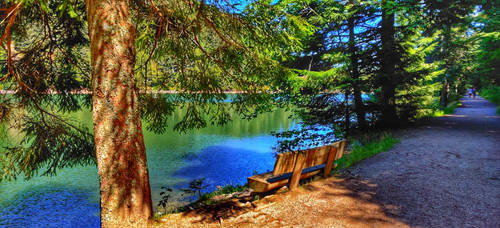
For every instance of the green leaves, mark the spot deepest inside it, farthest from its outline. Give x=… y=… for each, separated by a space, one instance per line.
x=487 y=39
x=48 y=144
x=66 y=7
x=44 y=6
x=204 y=50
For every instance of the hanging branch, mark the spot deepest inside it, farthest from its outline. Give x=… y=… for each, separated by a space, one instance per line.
x=158 y=33
x=11 y=16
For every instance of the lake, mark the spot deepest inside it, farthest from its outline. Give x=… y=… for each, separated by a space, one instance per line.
x=221 y=154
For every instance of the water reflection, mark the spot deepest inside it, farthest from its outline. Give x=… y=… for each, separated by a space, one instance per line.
x=230 y=162
x=222 y=154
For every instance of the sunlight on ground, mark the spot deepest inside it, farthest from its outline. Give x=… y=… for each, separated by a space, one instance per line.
x=458 y=116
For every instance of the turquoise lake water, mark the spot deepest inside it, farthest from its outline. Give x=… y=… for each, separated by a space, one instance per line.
x=221 y=154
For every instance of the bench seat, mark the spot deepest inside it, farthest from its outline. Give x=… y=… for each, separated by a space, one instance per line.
x=308 y=163
x=267 y=181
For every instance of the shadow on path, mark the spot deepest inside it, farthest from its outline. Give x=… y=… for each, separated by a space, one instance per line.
x=332 y=202
x=444 y=174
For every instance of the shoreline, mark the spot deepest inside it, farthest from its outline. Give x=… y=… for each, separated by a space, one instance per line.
x=81 y=92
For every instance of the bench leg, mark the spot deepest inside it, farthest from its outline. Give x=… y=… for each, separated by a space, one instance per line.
x=297 y=170
x=340 y=151
x=329 y=161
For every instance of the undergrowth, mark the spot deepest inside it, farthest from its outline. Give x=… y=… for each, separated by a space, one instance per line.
x=203 y=199
x=224 y=190
x=365 y=147
x=492 y=94
x=450 y=109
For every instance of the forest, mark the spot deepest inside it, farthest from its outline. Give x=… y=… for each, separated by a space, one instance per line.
x=342 y=67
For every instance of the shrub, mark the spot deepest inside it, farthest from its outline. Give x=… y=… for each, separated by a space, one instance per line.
x=367 y=146
x=492 y=93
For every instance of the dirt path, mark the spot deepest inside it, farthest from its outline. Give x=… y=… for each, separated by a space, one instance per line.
x=443 y=174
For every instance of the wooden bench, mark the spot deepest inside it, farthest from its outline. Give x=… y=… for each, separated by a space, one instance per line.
x=291 y=167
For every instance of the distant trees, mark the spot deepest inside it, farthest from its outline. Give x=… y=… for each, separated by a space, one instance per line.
x=450 y=20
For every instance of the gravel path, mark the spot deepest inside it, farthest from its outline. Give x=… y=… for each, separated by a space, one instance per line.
x=444 y=174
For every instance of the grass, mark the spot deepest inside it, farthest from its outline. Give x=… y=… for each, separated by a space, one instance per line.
x=450 y=109
x=205 y=199
x=228 y=189
x=492 y=94
x=365 y=147
x=436 y=109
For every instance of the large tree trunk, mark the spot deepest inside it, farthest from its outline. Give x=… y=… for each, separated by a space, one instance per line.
x=358 y=101
x=388 y=61
x=120 y=151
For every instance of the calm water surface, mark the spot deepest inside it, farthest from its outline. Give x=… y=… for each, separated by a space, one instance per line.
x=221 y=154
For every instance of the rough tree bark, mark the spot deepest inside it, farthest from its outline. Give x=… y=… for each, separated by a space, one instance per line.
x=120 y=151
x=388 y=66
x=359 y=107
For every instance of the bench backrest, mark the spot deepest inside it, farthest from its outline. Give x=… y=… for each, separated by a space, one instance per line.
x=285 y=162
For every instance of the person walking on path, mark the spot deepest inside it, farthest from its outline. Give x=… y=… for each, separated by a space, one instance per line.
x=470 y=92
x=474 y=93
